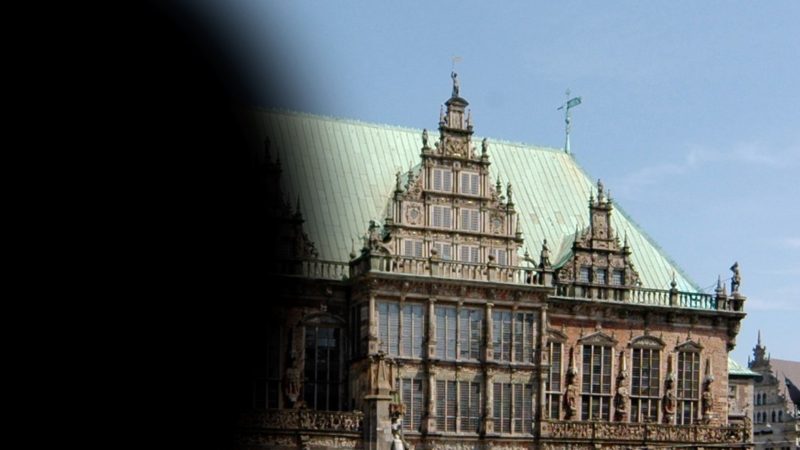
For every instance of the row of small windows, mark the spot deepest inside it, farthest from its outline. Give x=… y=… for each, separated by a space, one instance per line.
x=460 y=405
x=459 y=332
x=443 y=182
x=442 y=217
x=645 y=388
x=445 y=251
x=763 y=416
x=761 y=398
x=600 y=276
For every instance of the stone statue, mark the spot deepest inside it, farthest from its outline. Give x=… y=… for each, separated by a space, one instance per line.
x=398 y=183
x=425 y=138
x=571 y=393
x=736 y=280
x=294 y=381
x=456 y=86
x=707 y=401
x=484 y=146
x=508 y=192
x=670 y=402
x=621 y=399
x=374 y=235
x=544 y=256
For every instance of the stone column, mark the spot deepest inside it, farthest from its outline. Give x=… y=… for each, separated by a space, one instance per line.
x=431 y=328
x=377 y=421
x=488 y=405
x=488 y=349
x=372 y=339
x=430 y=401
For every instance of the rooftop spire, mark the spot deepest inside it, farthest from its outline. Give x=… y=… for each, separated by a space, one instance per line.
x=570 y=103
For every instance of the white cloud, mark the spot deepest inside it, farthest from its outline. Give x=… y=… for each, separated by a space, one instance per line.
x=699 y=157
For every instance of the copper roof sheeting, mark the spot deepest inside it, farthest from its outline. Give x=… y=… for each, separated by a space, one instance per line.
x=343 y=172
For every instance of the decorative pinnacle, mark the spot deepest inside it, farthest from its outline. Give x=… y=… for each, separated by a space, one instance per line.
x=352 y=248
x=673 y=283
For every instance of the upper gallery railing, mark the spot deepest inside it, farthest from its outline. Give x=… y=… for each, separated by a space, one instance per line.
x=439 y=268
x=531 y=276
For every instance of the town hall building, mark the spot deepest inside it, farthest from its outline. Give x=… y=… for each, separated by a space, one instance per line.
x=444 y=291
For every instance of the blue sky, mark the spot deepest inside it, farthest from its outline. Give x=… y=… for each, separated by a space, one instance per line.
x=690 y=113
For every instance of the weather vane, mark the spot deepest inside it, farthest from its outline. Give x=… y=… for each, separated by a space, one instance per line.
x=571 y=103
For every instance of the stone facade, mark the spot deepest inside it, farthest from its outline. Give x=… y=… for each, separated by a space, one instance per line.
x=776 y=423
x=438 y=334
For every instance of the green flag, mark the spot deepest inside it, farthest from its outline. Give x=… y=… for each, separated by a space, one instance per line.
x=574 y=102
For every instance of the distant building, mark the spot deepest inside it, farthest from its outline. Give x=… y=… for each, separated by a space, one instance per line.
x=776 y=420
x=740 y=394
x=446 y=293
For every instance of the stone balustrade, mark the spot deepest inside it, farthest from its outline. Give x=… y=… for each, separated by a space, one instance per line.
x=438 y=268
x=644 y=432
x=303 y=420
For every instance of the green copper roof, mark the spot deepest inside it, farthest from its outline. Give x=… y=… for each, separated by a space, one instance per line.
x=343 y=172
x=737 y=370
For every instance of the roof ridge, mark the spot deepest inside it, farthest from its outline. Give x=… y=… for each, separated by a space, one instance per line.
x=352 y=121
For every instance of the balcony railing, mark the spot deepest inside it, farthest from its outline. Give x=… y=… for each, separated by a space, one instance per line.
x=304 y=420
x=438 y=268
x=312 y=268
x=645 y=432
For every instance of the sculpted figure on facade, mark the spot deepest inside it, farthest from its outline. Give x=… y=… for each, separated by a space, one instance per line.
x=621 y=399
x=670 y=401
x=736 y=279
x=571 y=394
x=456 y=84
x=294 y=380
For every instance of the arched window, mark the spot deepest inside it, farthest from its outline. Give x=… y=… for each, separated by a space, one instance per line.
x=645 y=378
x=688 y=386
x=324 y=364
x=773 y=416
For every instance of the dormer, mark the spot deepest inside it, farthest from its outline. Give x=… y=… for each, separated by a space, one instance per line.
x=597 y=265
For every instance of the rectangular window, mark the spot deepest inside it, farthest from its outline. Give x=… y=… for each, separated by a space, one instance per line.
x=583 y=275
x=442 y=217
x=688 y=392
x=523 y=396
x=446 y=405
x=596 y=386
x=500 y=256
x=470 y=183
x=523 y=337
x=502 y=407
x=411 y=391
x=553 y=382
x=501 y=335
x=413 y=321
x=412 y=247
x=471 y=406
x=388 y=327
x=442 y=180
x=645 y=382
x=513 y=407
x=323 y=368
x=267 y=371
x=444 y=250
x=470 y=219
x=470 y=333
x=445 y=332
x=469 y=253
x=617 y=277
x=458 y=399
x=600 y=276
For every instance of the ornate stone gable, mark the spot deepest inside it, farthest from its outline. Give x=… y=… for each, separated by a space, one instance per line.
x=447 y=206
x=597 y=261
